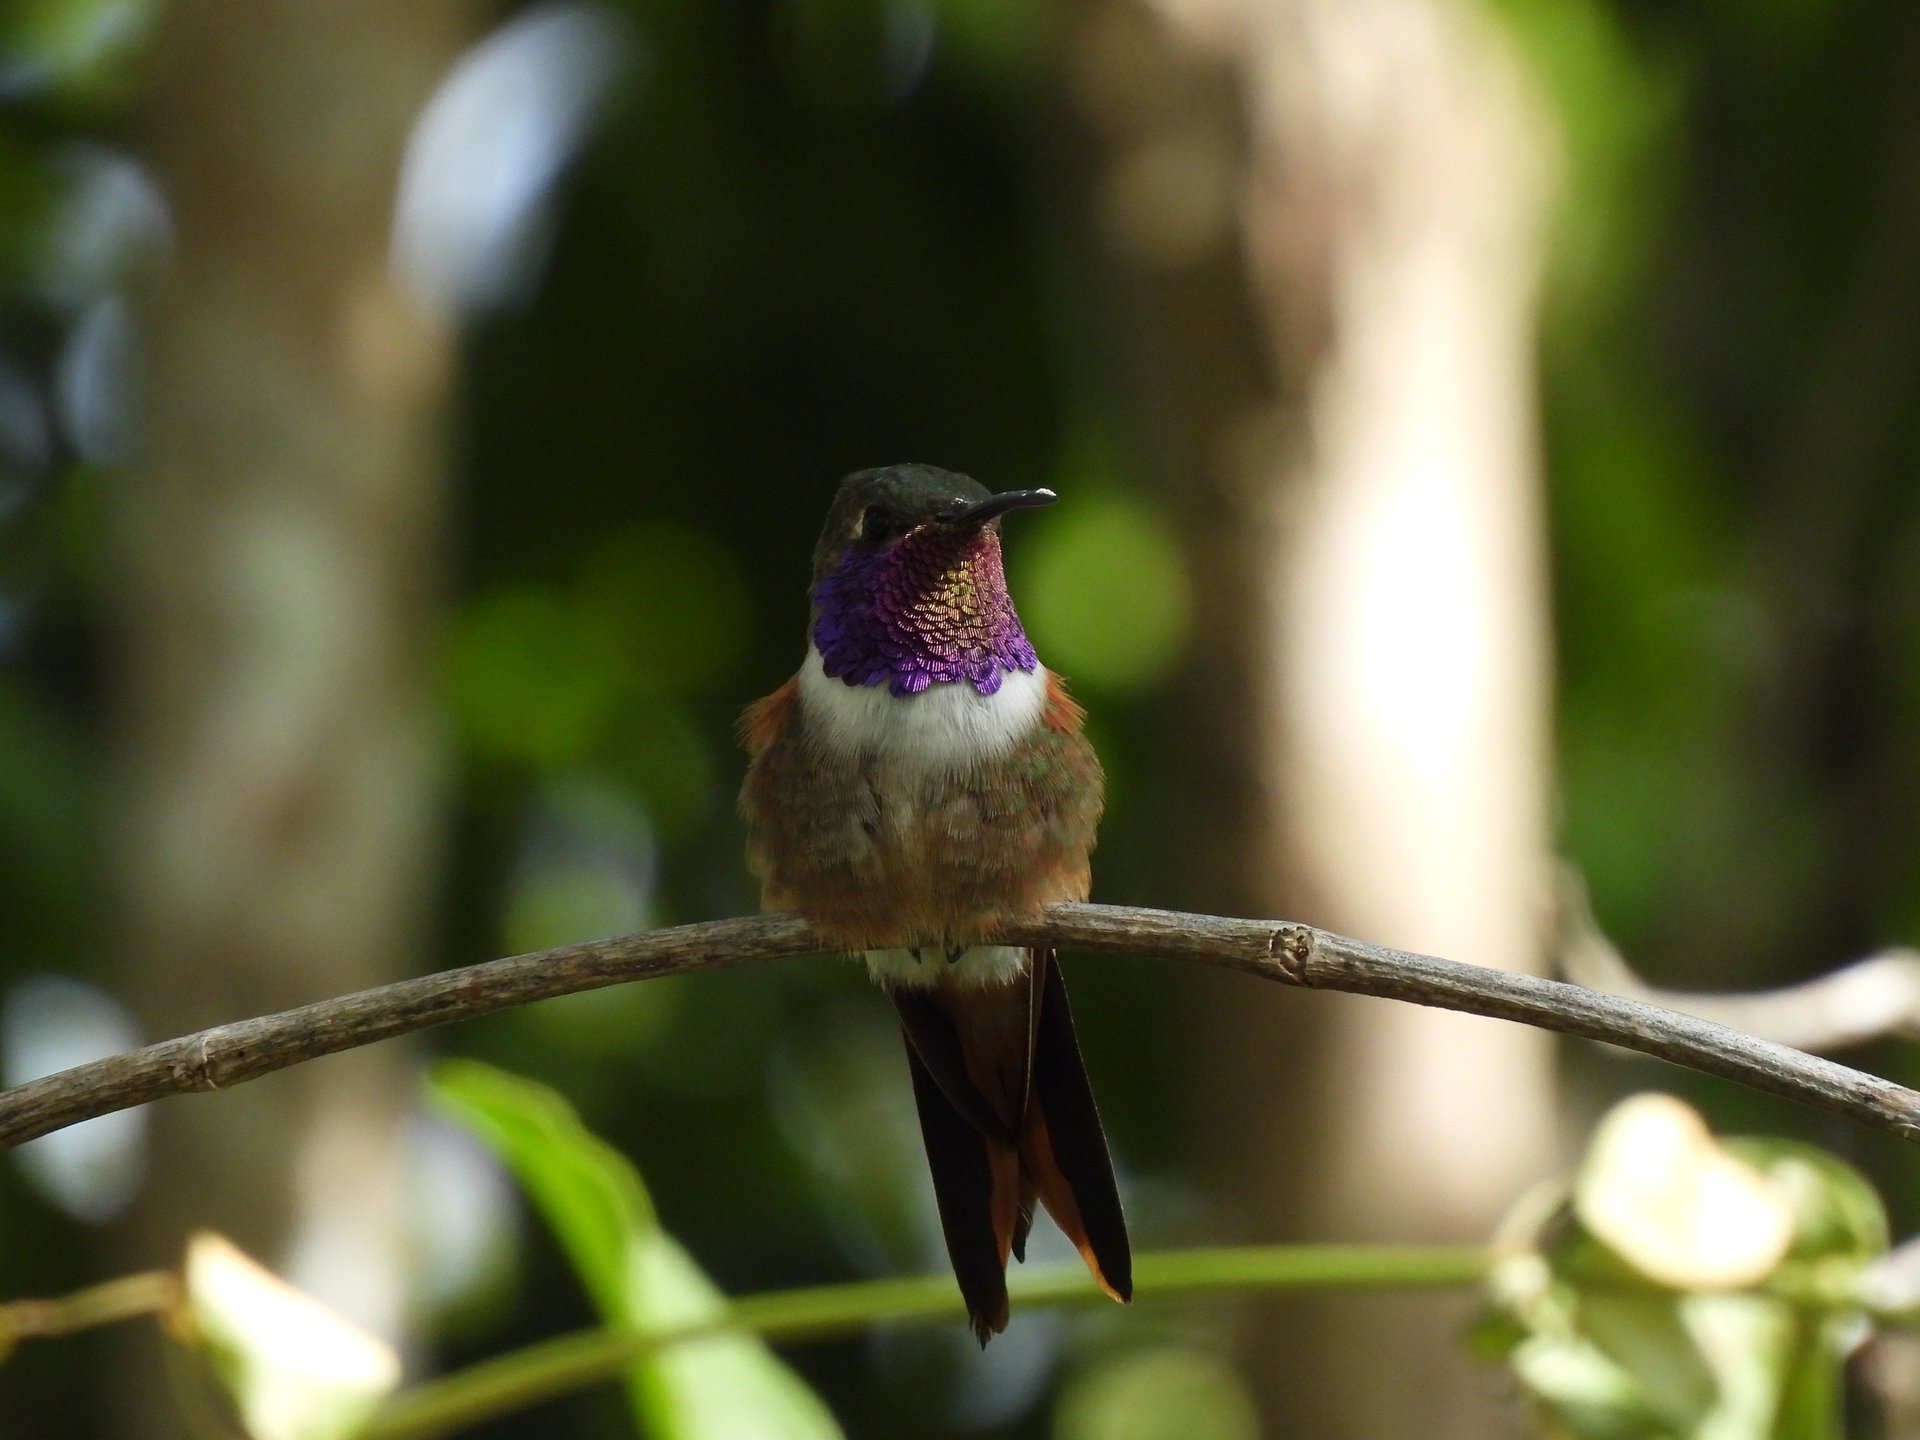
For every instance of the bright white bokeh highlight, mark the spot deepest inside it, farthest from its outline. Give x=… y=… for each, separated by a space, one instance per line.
x=50 y=1023
x=472 y=219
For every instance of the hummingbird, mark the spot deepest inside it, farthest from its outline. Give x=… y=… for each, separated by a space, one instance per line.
x=921 y=781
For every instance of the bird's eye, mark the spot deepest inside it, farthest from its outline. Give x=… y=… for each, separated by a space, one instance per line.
x=879 y=525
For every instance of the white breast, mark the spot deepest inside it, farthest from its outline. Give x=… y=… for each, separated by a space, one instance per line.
x=944 y=727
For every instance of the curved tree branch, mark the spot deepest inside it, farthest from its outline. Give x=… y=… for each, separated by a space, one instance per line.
x=227 y=1055
x=1866 y=1000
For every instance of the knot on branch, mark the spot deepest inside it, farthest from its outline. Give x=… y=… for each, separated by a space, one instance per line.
x=193 y=1070
x=1290 y=948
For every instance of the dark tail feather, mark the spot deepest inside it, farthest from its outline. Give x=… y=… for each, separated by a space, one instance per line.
x=964 y=1183
x=975 y=1095
x=1065 y=1149
x=1023 y=1226
x=950 y=1050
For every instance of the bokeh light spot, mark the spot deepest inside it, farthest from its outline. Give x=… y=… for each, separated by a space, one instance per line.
x=1175 y=1392
x=1105 y=593
x=535 y=679
x=92 y=1170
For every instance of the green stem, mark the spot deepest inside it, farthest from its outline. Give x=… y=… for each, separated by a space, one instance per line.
x=592 y=1357
x=150 y=1292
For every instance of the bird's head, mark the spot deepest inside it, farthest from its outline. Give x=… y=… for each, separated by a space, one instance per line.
x=908 y=587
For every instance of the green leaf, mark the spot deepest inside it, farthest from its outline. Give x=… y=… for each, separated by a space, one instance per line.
x=723 y=1387
x=1812 y=1404
x=1687 y=1288
x=1836 y=1213
x=1676 y=1205
x=1647 y=1336
x=1579 y=1392
x=293 y=1369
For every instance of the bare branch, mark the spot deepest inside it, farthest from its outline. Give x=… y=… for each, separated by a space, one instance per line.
x=1274 y=950
x=1869 y=999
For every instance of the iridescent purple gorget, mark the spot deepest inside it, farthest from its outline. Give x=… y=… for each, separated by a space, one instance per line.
x=931 y=608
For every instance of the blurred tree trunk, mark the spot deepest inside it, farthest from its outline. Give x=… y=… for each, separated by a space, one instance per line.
x=278 y=563
x=1331 y=215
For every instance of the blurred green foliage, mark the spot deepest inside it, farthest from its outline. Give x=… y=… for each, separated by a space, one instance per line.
x=1107 y=589
x=1159 y=1393
x=1655 y=1305
x=77 y=53
x=638 y=1275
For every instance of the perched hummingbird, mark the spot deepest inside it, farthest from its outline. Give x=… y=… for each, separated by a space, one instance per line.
x=922 y=780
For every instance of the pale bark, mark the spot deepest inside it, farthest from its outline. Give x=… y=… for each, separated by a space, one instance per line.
x=277 y=565
x=1362 y=481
